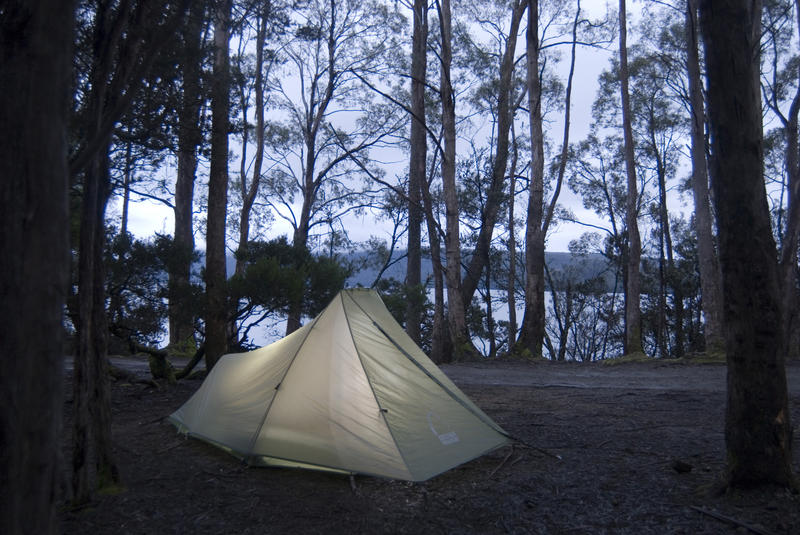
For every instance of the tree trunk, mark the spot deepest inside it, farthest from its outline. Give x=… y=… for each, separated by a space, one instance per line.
x=758 y=432
x=126 y=188
x=490 y=313
x=788 y=255
x=249 y=192
x=181 y=317
x=709 y=265
x=91 y=399
x=96 y=350
x=531 y=334
x=216 y=276
x=34 y=268
x=439 y=333
x=417 y=167
x=511 y=297
x=496 y=193
x=669 y=275
x=462 y=345
x=91 y=396
x=633 y=313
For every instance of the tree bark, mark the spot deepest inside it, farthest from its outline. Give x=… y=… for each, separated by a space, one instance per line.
x=758 y=430
x=633 y=313
x=511 y=296
x=417 y=167
x=532 y=332
x=91 y=396
x=462 y=345
x=181 y=318
x=709 y=264
x=216 y=275
x=439 y=335
x=34 y=267
x=93 y=327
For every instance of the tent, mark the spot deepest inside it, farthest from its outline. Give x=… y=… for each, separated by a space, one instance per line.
x=349 y=392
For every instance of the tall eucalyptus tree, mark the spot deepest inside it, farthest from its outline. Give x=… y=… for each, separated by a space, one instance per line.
x=633 y=313
x=758 y=429
x=326 y=120
x=217 y=310
x=35 y=82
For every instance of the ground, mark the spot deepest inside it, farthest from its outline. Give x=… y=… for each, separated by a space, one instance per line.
x=629 y=448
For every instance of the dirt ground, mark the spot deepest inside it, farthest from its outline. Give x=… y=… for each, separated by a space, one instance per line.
x=640 y=446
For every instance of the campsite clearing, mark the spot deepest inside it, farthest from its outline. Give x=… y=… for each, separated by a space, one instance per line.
x=641 y=445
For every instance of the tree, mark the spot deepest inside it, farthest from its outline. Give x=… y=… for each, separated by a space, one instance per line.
x=707 y=255
x=783 y=72
x=505 y=108
x=417 y=163
x=190 y=138
x=462 y=346
x=633 y=314
x=540 y=215
x=656 y=125
x=276 y=274
x=34 y=270
x=439 y=336
x=316 y=152
x=597 y=174
x=758 y=431
x=216 y=320
x=120 y=42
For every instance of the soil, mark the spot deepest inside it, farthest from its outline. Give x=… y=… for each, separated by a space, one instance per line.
x=628 y=448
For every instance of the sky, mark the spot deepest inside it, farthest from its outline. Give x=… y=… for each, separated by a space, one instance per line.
x=147 y=217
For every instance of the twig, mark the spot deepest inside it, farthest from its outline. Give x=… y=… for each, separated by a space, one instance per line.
x=156 y=420
x=192 y=363
x=222 y=474
x=171 y=447
x=731 y=520
x=499 y=466
x=542 y=451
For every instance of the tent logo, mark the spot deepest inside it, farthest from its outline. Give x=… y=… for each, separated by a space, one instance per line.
x=445 y=438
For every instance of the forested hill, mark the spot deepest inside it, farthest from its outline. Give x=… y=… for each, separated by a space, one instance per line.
x=564 y=268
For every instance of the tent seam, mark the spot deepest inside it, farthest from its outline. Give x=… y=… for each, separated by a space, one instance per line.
x=490 y=423
x=381 y=410
x=249 y=452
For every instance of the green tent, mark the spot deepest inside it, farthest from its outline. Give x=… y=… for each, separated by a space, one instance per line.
x=348 y=392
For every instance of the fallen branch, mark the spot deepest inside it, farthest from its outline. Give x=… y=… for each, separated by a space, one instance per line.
x=510 y=453
x=192 y=363
x=118 y=374
x=730 y=520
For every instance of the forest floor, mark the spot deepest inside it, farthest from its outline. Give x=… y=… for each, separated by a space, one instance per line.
x=641 y=450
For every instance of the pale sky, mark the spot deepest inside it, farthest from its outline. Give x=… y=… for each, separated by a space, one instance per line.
x=148 y=217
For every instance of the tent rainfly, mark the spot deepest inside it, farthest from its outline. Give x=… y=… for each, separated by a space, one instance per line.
x=349 y=392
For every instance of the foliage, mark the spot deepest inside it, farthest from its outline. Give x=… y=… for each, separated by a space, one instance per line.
x=277 y=274
x=136 y=286
x=395 y=296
